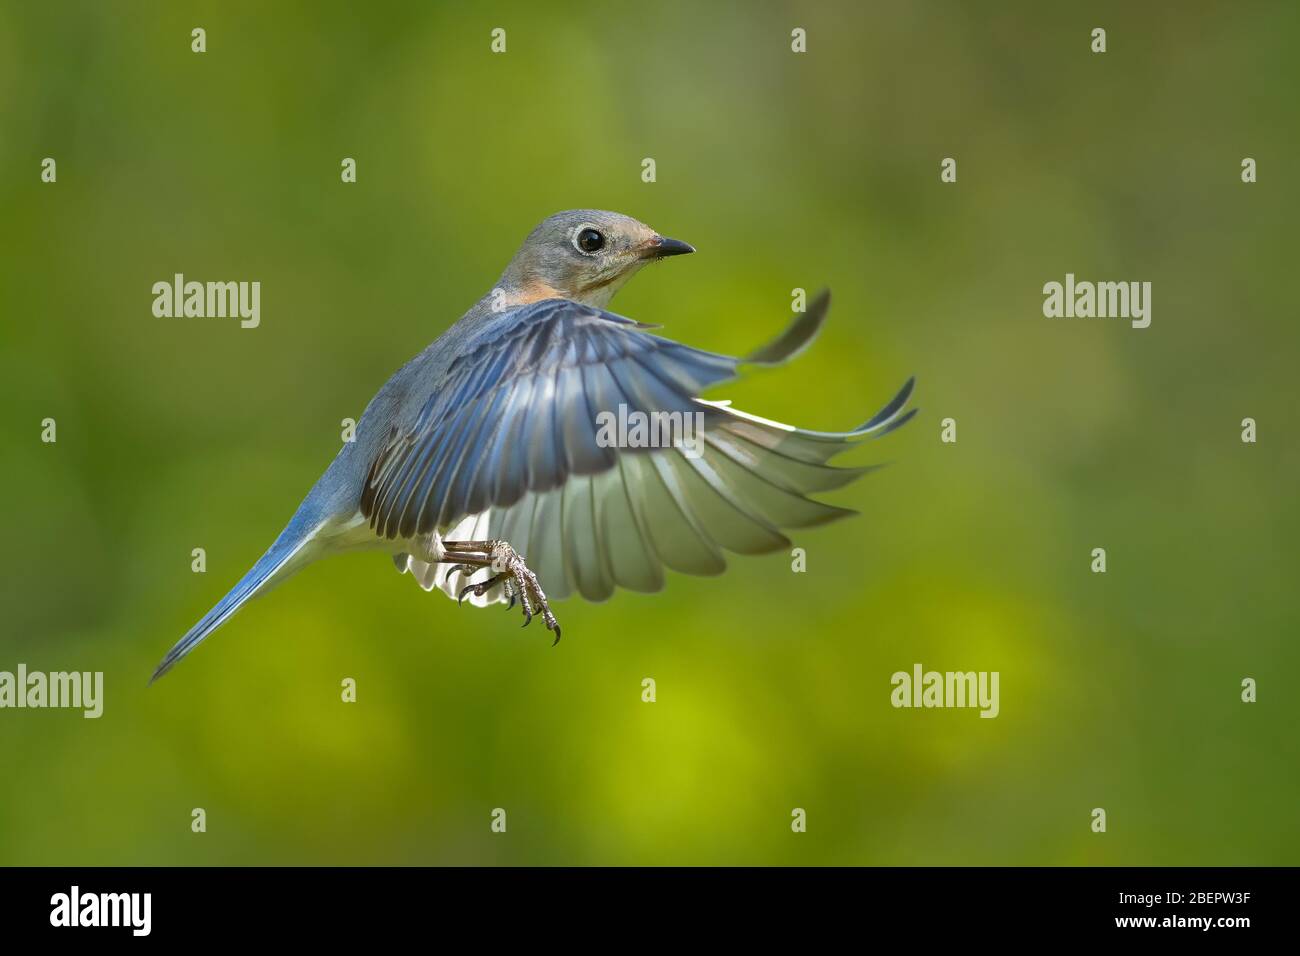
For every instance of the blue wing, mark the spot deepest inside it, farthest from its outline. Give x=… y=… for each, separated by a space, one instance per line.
x=518 y=413
x=513 y=431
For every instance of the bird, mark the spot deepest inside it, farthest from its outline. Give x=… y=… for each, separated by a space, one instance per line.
x=484 y=467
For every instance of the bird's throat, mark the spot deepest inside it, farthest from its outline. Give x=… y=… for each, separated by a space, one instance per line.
x=528 y=293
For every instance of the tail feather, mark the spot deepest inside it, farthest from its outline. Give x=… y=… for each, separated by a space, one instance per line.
x=269 y=569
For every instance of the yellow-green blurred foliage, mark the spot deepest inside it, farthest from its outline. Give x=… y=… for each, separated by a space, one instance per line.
x=1118 y=690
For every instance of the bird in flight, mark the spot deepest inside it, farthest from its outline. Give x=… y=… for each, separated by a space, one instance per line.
x=485 y=467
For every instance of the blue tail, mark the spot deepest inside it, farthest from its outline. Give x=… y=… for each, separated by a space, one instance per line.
x=269 y=569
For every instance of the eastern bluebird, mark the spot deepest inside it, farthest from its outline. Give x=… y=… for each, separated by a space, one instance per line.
x=486 y=450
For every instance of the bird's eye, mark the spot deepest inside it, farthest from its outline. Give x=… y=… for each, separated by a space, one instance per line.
x=589 y=240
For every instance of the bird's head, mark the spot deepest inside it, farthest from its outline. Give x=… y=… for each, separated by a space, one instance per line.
x=584 y=255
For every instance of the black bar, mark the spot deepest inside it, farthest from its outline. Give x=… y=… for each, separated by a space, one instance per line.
x=335 y=905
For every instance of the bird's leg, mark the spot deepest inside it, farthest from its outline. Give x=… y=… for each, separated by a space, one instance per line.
x=508 y=567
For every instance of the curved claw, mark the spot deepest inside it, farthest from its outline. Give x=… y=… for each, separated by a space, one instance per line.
x=520 y=585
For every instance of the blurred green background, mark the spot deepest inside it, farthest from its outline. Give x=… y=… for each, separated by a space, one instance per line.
x=1118 y=691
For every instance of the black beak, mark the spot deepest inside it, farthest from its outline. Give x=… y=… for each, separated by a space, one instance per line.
x=662 y=248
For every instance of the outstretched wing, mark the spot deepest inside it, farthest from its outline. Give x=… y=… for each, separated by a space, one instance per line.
x=509 y=447
x=517 y=412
